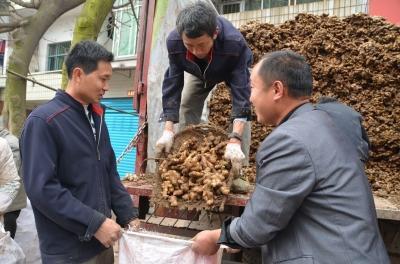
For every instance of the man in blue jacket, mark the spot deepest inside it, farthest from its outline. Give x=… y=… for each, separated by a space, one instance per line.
x=69 y=166
x=211 y=50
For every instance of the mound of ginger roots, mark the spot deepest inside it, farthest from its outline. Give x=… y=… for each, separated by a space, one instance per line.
x=196 y=172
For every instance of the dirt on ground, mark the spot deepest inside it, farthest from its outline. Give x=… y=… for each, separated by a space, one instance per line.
x=357 y=61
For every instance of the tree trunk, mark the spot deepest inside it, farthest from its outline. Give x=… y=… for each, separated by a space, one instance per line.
x=88 y=25
x=26 y=38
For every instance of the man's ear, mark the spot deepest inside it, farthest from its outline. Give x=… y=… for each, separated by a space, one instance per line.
x=279 y=90
x=77 y=74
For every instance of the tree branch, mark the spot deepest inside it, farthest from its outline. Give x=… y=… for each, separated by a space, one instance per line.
x=7 y=27
x=12 y=24
x=120 y=6
x=113 y=19
x=32 y=4
x=14 y=10
x=11 y=13
x=5 y=30
x=134 y=13
x=16 y=17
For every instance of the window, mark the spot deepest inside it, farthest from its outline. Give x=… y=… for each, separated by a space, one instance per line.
x=306 y=1
x=275 y=3
x=253 y=4
x=280 y=3
x=57 y=53
x=232 y=6
x=228 y=7
x=126 y=31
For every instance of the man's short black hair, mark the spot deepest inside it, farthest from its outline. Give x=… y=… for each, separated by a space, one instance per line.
x=291 y=69
x=86 y=55
x=196 y=20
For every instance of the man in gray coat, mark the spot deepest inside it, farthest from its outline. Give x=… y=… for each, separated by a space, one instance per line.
x=312 y=202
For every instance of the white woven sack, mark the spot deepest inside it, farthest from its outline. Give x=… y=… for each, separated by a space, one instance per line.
x=149 y=248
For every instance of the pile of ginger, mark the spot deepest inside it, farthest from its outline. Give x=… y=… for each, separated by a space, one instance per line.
x=196 y=172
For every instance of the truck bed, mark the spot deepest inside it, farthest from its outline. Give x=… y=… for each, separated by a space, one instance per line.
x=386 y=208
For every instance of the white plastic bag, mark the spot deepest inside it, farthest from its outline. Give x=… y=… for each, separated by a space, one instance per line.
x=26 y=235
x=149 y=248
x=10 y=252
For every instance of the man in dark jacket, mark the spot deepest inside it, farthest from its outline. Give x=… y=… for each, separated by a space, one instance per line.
x=69 y=166
x=211 y=50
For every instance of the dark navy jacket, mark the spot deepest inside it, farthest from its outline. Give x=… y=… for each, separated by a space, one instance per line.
x=71 y=179
x=230 y=62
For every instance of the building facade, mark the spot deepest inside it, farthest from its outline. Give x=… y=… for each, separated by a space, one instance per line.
x=119 y=35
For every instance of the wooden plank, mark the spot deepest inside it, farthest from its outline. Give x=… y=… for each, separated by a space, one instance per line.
x=385 y=208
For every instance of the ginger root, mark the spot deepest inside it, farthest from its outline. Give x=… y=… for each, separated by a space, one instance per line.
x=196 y=173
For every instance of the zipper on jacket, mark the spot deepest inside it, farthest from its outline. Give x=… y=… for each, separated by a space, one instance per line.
x=198 y=67
x=98 y=140
x=204 y=74
x=95 y=137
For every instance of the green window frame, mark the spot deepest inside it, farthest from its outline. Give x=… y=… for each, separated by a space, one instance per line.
x=253 y=5
x=274 y=3
x=306 y=1
x=265 y=4
x=126 y=30
x=56 y=55
x=228 y=7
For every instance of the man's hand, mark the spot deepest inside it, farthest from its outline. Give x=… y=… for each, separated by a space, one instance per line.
x=164 y=143
x=234 y=153
x=108 y=233
x=134 y=225
x=205 y=242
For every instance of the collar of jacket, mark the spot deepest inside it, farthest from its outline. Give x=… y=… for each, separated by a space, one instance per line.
x=190 y=56
x=298 y=110
x=68 y=99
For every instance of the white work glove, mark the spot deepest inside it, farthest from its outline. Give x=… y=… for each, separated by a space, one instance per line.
x=164 y=143
x=234 y=153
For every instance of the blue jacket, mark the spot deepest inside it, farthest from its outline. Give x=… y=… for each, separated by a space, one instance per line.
x=230 y=62
x=71 y=179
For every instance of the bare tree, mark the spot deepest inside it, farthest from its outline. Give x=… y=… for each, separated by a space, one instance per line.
x=26 y=33
x=10 y=19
